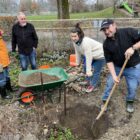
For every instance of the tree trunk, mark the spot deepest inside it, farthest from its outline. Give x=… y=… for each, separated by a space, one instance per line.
x=58 y=9
x=63 y=9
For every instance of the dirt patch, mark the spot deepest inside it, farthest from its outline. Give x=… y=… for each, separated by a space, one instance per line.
x=80 y=118
x=38 y=78
x=37 y=120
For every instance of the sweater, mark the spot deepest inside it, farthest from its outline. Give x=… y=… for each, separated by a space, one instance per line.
x=91 y=49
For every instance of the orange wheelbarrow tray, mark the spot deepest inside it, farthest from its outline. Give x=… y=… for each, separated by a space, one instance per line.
x=27 y=94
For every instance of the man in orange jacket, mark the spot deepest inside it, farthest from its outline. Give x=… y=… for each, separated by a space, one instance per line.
x=4 y=73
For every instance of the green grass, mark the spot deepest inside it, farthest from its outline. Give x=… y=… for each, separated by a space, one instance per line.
x=106 y=13
x=42 y=17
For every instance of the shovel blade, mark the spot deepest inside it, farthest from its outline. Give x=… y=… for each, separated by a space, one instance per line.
x=100 y=126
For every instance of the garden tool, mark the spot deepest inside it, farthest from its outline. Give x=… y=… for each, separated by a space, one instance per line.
x=98 y=118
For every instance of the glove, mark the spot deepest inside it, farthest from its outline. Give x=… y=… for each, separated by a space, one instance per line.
x=89 y=74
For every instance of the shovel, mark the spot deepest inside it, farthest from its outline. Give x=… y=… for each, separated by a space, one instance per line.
x=95 y=123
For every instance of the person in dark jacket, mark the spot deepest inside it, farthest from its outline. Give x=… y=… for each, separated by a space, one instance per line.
x=24 y=36
x=121 y=44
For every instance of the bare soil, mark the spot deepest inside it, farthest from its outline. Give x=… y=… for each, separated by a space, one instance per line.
x=34 y=122
x=37 y=78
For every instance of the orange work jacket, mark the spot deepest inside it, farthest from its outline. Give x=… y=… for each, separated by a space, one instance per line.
x=4 y=57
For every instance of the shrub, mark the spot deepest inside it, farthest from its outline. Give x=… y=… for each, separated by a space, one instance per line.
x=6 y=23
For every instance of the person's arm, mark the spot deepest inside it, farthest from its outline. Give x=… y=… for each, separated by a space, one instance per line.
x=111 y=68
x=130 y=51
x=109 y=62
x=135 y=37
x=136 y=46
x=35 y=38
x=88 y=56
x=14 y=40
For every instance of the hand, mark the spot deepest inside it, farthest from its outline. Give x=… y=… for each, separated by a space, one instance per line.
x=78 y=68
x=129 y=52
x=89 y=74
x=116 y=80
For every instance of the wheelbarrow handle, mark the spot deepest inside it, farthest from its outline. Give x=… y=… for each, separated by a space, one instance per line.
x=112 y=91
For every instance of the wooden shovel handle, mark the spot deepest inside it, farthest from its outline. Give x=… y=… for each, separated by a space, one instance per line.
x=112 y=91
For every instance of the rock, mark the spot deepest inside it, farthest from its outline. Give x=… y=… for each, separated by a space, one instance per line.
x=17 y=137
x=30 y=137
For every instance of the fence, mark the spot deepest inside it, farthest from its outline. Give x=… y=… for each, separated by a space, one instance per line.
x=55 y=33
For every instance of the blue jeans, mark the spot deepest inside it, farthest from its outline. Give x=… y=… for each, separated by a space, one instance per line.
x=97 y=66
x=4 y=76
x=26 y=59
x=132 y=77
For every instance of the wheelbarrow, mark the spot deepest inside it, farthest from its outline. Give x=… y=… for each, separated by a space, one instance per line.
x=30 y=90
x=32 y=81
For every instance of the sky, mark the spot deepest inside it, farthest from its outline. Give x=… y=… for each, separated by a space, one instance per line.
x=18 y=1
x=91 y=1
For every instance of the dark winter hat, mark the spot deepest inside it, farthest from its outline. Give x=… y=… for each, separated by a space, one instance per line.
x=105 y=23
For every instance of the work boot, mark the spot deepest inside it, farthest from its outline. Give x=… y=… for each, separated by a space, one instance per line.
x=8 y=85
x=129 y=107
x=4 y=94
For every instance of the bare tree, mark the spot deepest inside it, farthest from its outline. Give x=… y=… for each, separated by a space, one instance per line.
x=78 y=6
x=5 y=6
x=63 y=9
x=25 y=5
x=29 y=6
x=52 y=5
x=114 y=5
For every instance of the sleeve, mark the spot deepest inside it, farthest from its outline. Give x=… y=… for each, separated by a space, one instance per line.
x=78 y=55
x=35 y=38
x=134 y=33
x=14 y=40
x=88 y=56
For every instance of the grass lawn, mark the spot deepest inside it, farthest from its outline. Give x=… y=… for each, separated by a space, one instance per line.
x=106 y=13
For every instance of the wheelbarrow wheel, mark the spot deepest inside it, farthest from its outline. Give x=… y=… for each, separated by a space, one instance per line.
x=26 y=97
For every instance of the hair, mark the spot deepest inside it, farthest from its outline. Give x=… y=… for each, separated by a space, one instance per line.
x=77 y=29
x=20 y=14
